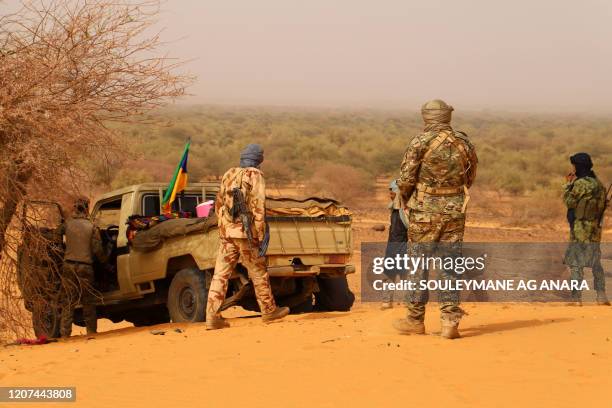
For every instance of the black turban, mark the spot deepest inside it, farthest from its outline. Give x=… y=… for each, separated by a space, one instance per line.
x=583 y=164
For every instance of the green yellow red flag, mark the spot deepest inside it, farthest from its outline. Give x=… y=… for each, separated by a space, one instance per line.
x=178 y=182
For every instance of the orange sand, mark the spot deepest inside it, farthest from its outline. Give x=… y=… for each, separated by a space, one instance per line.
x=511 y=355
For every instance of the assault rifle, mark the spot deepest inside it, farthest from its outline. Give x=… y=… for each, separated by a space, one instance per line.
x=606 y=204
x=241 y=211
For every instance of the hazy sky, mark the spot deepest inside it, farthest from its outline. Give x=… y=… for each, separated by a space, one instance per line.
x=477 y=54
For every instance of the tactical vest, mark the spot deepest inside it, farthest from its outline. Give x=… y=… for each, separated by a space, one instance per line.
x=466 y=164
x=79 y=233
x=590 y=208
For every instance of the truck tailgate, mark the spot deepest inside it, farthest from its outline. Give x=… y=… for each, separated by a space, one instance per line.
x=297 y=235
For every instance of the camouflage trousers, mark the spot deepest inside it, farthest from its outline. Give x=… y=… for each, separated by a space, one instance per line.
x=232 y=250
x=440 y=236
x=599 y=280
x=584 y=251
x=78 y=281
x=387 y=295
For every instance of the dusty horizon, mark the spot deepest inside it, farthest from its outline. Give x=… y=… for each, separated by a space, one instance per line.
x=479 y=55
x=399 y=109
x=515 y=57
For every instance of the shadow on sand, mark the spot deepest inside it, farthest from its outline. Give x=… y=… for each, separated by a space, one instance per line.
x=323 y=315
x=507 y=326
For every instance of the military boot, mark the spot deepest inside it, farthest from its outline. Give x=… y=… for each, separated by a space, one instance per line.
x=576 y=300
x=450 y=325
x=277 y=314
x=214 y=322
x=602 y=299
x=409 y=326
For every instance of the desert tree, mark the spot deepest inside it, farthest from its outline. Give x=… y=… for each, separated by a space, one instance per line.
x=69 y=71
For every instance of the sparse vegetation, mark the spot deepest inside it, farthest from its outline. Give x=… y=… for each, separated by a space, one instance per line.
x=345 y=183
x=519 y=154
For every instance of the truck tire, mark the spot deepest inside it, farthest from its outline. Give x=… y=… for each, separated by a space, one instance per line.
x=187 y=296
x=46 y=323
x=334 y=294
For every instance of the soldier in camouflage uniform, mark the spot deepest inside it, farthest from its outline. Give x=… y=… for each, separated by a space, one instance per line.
x=585 y=199
x=83 y=245
x=438 y=168
x=234 y=245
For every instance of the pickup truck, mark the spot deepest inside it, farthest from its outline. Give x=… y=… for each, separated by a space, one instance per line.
x=307 y=260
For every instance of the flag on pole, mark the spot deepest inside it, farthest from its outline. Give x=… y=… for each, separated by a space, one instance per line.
x=178 y=182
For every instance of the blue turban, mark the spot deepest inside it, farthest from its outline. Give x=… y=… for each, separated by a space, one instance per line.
x=251 y=156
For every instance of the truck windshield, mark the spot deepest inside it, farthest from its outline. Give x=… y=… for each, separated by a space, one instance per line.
x=185 y=203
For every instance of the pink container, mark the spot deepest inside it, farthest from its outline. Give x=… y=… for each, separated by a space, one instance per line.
x=202 y=210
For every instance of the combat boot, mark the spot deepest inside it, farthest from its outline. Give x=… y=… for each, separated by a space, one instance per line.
x=277 y=314
x=409 y=326
x=450 y=325
x=575 y=301
x=602 y=299
x=214 y=322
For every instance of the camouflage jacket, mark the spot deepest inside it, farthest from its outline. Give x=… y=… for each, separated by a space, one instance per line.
x=251 y=181
x=444 y=166
x=586 y=196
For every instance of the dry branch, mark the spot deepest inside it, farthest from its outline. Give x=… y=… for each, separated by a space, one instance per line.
x=68 y=69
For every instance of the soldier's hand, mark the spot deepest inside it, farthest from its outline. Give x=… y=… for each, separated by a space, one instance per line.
x=570 y=177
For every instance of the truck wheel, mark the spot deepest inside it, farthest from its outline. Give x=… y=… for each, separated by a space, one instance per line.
x=187 y=296
x=46 y=322
x=334 y=294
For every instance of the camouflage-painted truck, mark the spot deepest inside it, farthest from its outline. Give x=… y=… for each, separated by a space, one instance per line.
x=307 y=259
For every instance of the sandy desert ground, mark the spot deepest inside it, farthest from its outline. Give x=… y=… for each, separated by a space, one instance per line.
x=510 y=355
x=527 y=355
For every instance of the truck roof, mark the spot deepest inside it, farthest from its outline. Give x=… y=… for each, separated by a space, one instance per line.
x=155 y=187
